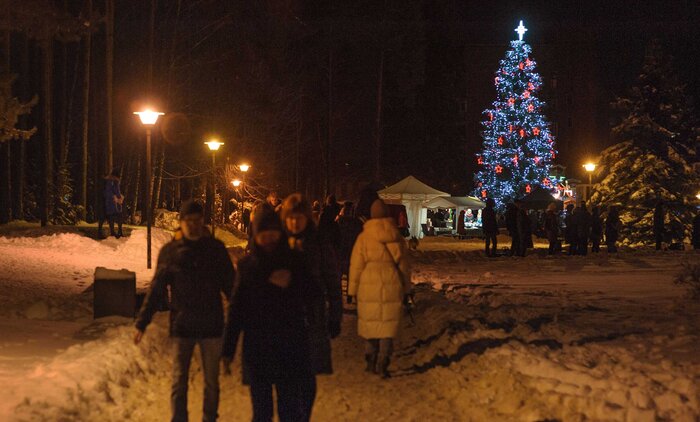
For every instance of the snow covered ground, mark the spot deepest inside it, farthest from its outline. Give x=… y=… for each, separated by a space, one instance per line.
x=536 y=338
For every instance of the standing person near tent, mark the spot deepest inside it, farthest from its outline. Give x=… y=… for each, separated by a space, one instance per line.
x=321 y=260
x=194 y=271
x=512 y=226
x=273 y=294
x=380 y=278
x=612 y=228
x=596 y=229
x=113 y=201
x=461 y=227
x=551 y=228
x=489 y=225
x=570 y=231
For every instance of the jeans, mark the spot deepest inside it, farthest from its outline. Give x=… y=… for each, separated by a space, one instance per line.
x=295 y=400
x=210 y=351
x=382 y=347
x=491 y=240
x=111 y=219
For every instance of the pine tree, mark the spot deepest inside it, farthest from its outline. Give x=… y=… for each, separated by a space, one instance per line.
x=518 y=145
x=654 y=158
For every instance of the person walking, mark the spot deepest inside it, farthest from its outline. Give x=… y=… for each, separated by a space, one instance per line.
x=489 y=225
x=612 y=228
x=321 y=260
x=379 y=278
x=582 y=221
x=269 y=305
x=659 y=222
x=551 y=228
x=596 y=229
x=113 y=201
x=193 y=272
x=512 y=226
x=570 y=231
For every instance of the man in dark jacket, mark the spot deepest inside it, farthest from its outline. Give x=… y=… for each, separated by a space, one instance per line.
x=197 y=271
x=596 y=229
x=524 y=228
x=570 y=231
x=551 y=228
x=582 y=221
x=512 y=226
x=490 y=227
x=270 y=306
x=612 y=228
x=659 y=220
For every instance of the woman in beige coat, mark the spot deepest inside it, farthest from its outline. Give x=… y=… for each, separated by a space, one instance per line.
x=379 y=278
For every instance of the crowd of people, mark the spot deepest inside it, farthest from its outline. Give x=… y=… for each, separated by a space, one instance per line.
x=582 y=230
x=284 y=298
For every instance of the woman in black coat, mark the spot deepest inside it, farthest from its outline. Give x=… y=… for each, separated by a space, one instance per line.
x=321 y=259
x=273 y=293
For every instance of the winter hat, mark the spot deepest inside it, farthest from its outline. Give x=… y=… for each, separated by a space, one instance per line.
x=379 y=209
x=189 y=208
x=265 y=218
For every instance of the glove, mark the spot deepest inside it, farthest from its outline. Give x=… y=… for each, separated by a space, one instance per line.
x=333 y=329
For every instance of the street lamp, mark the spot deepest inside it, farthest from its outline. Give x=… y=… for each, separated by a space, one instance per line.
x=590 y=168
x=244 y=167
x=148 y=118
x=236 y=183
x=214 y=146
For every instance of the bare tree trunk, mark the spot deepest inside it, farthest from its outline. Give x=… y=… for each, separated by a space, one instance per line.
x=6 y=173
x=47 y=94
x=21 y=148
x=109 y=72
x=378 y=121
x=86 y=115
x=135 y=202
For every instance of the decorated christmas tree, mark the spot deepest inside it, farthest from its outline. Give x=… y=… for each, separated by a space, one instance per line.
x=653 y=160
x=518 y=146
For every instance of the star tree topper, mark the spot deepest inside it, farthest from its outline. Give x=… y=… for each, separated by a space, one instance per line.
x=521 y=30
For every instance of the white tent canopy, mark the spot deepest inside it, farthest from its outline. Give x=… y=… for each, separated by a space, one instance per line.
x=412 y=193
x=457 y=202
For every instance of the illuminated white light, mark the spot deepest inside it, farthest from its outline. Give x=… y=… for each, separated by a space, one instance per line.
x=589 y=167
x=214 y=145
x=236 y=183
x=244 y=167
x=148 y=117
x=521 y=30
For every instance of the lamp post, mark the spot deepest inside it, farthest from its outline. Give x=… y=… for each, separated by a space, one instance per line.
x=148 y=119
x=214 y=146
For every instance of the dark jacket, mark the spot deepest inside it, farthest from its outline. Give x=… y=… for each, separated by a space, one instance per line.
x=596 y=226
x=524 y=229
x=612 y=227
x=111 y=193
x=570 y=232
x=551 y=225
x=659 y=217
x=327 y=308
x=350 y=228
x=197 y=273
x=461 y=229
x=582 y=221
x=488 y=221
x=512 y=220
x=274 y=319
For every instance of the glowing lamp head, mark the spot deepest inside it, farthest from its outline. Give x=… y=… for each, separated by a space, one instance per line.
x=148 y=117
x=214 y=145
x=698 y=195
x=244 y=167
x=590 y=167
x=236 y=183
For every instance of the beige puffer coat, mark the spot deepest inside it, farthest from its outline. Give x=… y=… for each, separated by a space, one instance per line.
x=379 y=278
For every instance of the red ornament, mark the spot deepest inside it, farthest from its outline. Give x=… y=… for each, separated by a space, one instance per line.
x=483 y=193
x=530 y=108
x=530 y=86
x=546 y=182
x=550 y=140
x=510 y=128
x=528 y=62
x=553 y=153
x=536 y=131
x=499 y=169
x=480 y=160
x=528 y=189
x=521 y=65
x=496 y=80
x=511 y=101
x=515 y=159
x=500 y=140
x=522 y=133
x=490 y=116
x=526 y=94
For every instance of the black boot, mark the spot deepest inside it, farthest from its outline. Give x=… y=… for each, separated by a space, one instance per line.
x=383 y=368
x=371 y=359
